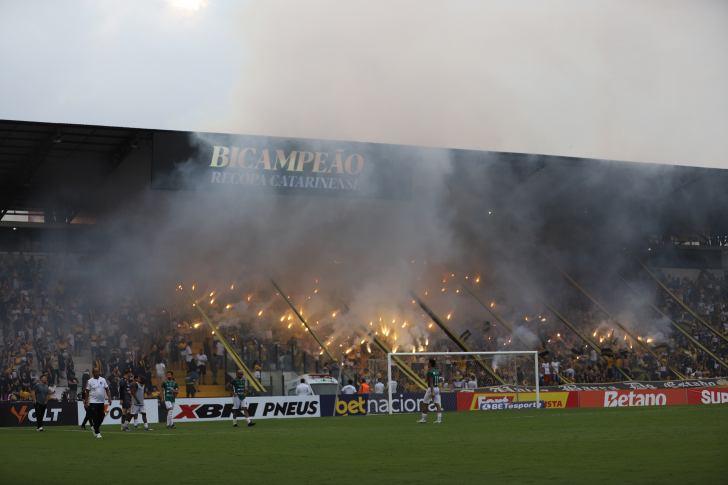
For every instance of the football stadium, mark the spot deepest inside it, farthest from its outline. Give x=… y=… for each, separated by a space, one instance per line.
x=574 y=290
x=221 y=306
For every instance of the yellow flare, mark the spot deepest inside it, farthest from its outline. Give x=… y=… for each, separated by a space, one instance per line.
x=283 y=318
x=492 y=304
x=457 y=291
x=429 y=326
x=333 y=314
x=427 y=342
x=448 y=317
x=193 y=287
x=477 y=280
x=404 y=324
x=260 y=313
x=443 y=289
x=232 y=286
x=212 y=293
x=289 y=325
x=363 y=340
x=212 y=301
x=316 y=290
x=228 y=306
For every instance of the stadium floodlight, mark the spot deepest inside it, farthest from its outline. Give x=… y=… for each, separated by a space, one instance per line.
x=519 y=370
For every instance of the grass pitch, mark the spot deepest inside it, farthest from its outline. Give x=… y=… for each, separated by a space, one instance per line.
x=674 y=444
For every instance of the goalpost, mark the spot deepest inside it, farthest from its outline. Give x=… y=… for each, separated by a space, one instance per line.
x=464 y=371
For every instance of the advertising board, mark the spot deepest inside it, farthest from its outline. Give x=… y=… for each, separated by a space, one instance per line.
x=113 y=412
x=471 y=401
x=708 y=396
x=637 y=397
x=23 y=414
x=221 y=408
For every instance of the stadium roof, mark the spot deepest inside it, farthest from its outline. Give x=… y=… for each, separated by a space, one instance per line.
x=57 y=169
x=50 y=167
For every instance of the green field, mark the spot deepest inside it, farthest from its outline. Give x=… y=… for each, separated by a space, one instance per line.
x=674 y=444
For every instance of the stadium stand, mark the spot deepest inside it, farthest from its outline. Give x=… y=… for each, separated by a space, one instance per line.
x=51 y=324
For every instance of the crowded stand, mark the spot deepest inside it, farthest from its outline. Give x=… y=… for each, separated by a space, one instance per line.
x=52 y=322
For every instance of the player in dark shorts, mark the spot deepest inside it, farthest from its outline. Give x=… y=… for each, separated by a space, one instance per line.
x=125 y=400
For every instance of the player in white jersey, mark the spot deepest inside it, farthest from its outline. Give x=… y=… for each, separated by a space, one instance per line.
x=137 y=401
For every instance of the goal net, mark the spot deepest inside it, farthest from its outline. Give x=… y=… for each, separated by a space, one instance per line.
x=398 y=383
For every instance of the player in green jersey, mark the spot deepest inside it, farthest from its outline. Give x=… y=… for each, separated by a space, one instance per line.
x=236 y=387
x=169 y=392
x=433 y=393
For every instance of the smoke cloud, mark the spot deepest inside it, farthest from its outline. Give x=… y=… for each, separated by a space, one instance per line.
x=636 y=81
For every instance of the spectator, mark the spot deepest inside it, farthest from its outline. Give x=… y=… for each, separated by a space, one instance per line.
x=349 y=389
x=304 y=389
x=190 y=384
x=201 y=360
x=213 y=369
x=161 y=371
x=189 y=356
x=72 y=386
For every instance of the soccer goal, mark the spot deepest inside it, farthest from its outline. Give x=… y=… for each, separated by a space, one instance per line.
x=514 y=374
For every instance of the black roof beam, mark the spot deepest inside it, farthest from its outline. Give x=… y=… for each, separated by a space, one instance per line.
x=24 y=173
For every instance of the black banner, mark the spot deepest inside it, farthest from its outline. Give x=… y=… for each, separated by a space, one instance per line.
x=22 y=413
x=617 y=386
x=282 y=166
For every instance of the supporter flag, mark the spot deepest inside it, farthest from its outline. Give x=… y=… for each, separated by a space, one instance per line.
x=465 y=335
x=543 y=354
x=575 y=353
x=661 y=347
x=607 y=352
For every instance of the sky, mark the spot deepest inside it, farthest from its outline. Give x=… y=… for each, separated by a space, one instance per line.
x=632 y=80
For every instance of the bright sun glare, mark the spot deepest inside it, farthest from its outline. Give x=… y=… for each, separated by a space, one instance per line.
x=188 y=4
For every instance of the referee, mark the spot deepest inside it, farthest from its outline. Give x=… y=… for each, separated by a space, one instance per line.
x=40 y=399
x=93 y=399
